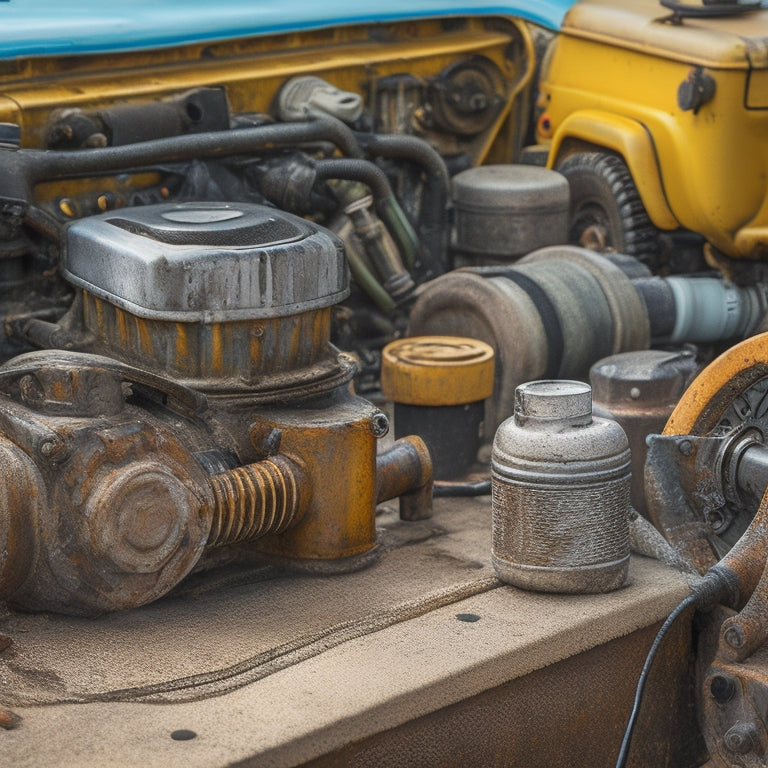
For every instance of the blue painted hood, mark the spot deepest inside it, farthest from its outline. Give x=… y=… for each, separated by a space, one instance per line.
x=53 y=27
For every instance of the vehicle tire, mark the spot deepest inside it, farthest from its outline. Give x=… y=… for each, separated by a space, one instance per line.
x=606 y=211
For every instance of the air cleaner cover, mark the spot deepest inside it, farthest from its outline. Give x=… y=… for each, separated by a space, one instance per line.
x=209 y=262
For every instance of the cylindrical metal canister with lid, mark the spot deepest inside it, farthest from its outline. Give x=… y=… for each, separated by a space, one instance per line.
x=502 y=212
x=639 y=390
x=438 y=385
x=561 y=493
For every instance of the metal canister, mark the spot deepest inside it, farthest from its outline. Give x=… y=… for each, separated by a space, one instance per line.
x=438 y=385
x=639 y=390
x=561 y=493
x=502 y=212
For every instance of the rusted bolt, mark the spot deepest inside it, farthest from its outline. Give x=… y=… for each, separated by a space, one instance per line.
x=734 y=636
x=685 y=447
x=742 y=738
x=722 y=688
x=53 y=448
x=379 y=424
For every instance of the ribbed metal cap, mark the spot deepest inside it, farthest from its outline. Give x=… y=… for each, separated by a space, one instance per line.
x=553 y=400
x=437 y=370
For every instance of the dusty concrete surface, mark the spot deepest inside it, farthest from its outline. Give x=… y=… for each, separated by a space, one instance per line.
x=285 y=670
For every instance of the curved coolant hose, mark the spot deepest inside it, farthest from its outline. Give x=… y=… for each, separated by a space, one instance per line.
x=433 y=218
x=386 y=204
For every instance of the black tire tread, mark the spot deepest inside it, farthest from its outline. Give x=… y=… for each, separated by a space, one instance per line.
x=638 y=236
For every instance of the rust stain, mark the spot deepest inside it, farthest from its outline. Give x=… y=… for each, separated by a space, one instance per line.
x=122 y=327
x=217 y=351
x=145 y=337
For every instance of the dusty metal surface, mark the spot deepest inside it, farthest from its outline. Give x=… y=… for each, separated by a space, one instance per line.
x=551 y=717
x=286 y=670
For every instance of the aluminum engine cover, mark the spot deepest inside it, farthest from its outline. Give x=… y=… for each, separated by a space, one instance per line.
x=206 y=262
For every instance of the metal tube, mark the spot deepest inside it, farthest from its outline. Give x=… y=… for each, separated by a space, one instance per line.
x=405 y=470
x=751 y=471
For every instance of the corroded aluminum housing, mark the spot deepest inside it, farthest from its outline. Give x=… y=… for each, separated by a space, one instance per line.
x=561 y=487
x=223 y=297
x=210 y=262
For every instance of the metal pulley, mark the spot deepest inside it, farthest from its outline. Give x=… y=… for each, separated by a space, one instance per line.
x=706 y=474
x=705 y=480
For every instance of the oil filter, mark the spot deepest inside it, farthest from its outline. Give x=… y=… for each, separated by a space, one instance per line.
x=502 y=212
x=438 y=385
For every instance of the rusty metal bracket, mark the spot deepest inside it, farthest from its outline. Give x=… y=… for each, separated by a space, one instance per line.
x=686 y=498
x=49 y=365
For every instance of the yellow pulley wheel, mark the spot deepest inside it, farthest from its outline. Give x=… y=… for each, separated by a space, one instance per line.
x=727 y=390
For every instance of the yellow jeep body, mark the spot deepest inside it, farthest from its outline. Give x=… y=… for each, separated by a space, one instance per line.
x=611 y=82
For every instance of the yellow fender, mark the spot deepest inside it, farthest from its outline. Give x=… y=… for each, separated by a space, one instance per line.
x=631 y=140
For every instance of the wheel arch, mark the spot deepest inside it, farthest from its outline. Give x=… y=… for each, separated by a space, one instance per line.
x=592 y=130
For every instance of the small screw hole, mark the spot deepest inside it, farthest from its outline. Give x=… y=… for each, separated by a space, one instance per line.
x=183 y=735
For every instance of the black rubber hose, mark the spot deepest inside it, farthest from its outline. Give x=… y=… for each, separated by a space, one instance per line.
x=448 y=488
x=433 y=218
x=356 y=170
x=21 y=169
x=387 y=207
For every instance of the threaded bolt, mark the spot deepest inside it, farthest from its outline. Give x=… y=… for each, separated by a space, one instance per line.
x=379 y=425
x=257 y=499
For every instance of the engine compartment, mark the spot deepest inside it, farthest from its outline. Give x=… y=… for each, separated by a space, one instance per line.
x=205 y=253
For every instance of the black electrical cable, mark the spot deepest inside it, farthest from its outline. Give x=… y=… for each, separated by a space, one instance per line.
x=625 y=744
x=443 y=488
x=718 y=584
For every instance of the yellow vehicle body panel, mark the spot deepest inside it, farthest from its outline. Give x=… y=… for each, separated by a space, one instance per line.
x=627 y=63
x=253 y=70
x=628 y=138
